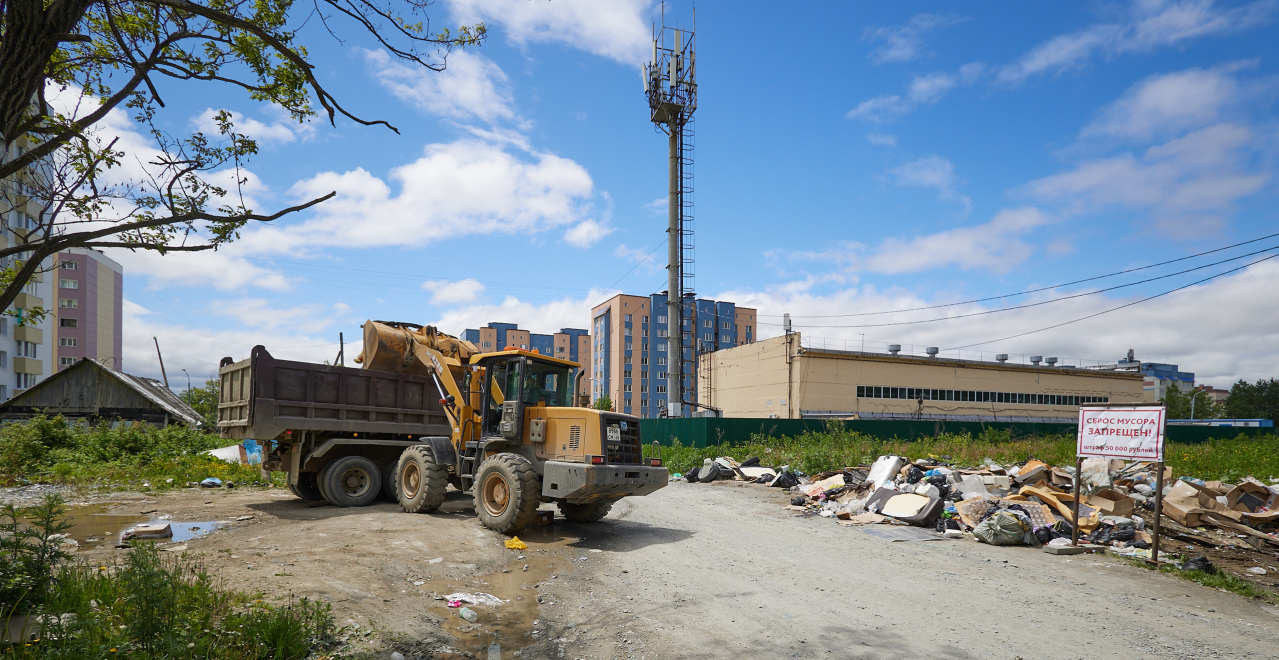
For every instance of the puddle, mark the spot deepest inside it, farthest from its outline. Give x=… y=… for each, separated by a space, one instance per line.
x=94 y=526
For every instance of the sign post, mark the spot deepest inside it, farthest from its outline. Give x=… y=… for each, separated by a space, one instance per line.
x=1129 y=432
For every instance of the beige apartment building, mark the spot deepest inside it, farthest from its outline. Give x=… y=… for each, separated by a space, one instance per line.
x=778 y=377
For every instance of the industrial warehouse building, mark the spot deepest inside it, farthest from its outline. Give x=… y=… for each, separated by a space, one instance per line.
x=780 y=378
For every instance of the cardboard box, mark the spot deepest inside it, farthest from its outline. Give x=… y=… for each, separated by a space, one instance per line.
x=1111 y=502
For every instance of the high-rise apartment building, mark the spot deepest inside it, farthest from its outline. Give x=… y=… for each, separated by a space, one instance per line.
x=23 y=346
x=630 y=351
x=567 y=344
x=90 y=299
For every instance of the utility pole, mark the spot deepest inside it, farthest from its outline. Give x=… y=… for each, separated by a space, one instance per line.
x=161 y=357
x=671 y=88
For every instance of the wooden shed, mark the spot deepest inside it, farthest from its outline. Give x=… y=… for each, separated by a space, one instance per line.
x=90 y=391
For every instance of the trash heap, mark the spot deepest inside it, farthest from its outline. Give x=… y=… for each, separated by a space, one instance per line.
x=1027 y=504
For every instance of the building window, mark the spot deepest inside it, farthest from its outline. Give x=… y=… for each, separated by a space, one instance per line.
x=68 y=323
x=4 y=359
x=68 y=283
x=661 y=359
x=25 y=381
x=4 y=326
x=661 y=389
x=66 y=361
x=27 y=349
x=70 y=265
x=70 y=303
x=66 y=341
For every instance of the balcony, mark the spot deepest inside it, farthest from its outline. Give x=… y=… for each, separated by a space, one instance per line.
x=27 y=301
x=28 y=333
x=26 y=365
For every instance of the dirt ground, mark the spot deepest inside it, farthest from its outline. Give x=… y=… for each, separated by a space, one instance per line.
x=693 y=570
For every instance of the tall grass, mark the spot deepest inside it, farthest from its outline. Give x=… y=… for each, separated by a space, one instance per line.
x=1228 y=459
x=146 y=605
x=53 y=450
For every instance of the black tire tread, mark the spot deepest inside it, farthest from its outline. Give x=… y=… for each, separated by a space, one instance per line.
x=334 y=491
x=435 y=479
x=526 y=492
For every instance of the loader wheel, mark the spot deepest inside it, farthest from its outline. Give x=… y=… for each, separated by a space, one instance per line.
x=307 y=488
x=585 y=513
x=351 y=481
x=506 y=493
x=419 y=480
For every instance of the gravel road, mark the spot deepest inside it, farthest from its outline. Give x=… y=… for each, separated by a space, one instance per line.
x=693 y=570
x=725 y=570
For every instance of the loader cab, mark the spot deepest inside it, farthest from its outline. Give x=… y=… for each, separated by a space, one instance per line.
x=516 y=380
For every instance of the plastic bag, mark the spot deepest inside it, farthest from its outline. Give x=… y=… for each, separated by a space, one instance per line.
x=1005 y=528
x=1199 y=563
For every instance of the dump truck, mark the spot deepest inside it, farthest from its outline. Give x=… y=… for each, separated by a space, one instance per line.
x=426 y=410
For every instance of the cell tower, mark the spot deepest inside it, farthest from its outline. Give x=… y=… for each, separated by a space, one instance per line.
x=671 y=87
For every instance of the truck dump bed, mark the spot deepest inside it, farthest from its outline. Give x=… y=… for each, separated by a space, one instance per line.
x=263 y=397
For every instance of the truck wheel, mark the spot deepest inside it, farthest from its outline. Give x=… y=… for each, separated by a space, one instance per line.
x=419 y=480
x=506 y=493
x=585 y=513
x=351 y=481
x=307 y=488
x=388 y=480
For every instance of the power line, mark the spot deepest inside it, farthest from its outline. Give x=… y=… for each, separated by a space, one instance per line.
x=1116 y=308
x=1039 y=303
x=1028 y=291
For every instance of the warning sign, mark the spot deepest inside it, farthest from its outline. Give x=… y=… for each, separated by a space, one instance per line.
x=1133 y=433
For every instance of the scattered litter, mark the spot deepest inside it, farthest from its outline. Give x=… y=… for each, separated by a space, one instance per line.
x=903 y=533
x=514 y=543
x=147 y=531
x=1199 y=563
x=211 y=482
x=468 y=614
x=1256 y=570
x=244 y=517
x=477 y=598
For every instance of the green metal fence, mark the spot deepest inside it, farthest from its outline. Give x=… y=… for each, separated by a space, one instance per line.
x=707 y=431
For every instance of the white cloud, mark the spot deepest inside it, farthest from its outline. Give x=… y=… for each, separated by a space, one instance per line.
x=994 y=246
x=618 y=29
x=882 y=139
x=902 y=43
x=445 y=292
x=1204 y=172
x=278 y=131
x=197 y=346
x=1150 y=25
x=646 y=258
x=932 y=172
x=923 y=90
x=586 y=233
x=1215 y=329
x=455 y=189
x=544 y=318
x=227 y=269
x=658 y=205
x=470 y=86
x=1171 y=102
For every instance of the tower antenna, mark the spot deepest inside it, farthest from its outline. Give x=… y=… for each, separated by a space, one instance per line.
x=670 y=84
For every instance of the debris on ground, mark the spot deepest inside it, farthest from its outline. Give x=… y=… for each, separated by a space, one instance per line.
x=514 y=543
x=1033 y=504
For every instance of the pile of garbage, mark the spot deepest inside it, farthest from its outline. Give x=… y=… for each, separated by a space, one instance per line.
x=1031 y=503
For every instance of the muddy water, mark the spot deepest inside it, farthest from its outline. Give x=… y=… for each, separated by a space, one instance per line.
x=95 y=525
x=502 y=630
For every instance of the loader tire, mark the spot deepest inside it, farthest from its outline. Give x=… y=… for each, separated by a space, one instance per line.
x=420 y=481
x=307 y=489
x=506 y=493
x=351 y=481
x=585 y=513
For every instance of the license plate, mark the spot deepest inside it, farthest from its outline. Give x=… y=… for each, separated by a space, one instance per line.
x=614 y=433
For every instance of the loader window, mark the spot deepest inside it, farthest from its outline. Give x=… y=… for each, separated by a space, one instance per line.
x=547 y=384
x=504 y=381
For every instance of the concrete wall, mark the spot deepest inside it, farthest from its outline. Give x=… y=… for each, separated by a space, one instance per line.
x=751 y=381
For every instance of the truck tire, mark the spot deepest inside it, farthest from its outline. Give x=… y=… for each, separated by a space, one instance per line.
x=388 y=480
x=307 y=489
x=420 y=481
x=351 y=481
x=585 y=513
x=506 y=493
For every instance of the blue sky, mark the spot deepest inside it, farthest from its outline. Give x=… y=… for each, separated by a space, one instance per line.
x=850 y=158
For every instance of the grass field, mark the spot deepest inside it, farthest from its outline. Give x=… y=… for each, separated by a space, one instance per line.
x=1228 y=459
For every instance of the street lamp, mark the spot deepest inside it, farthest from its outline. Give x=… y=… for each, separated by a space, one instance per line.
x=188 y=383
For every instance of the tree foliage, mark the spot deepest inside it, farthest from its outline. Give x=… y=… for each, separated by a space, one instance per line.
x=205 y=401
x=1178 y=404
x=1259 y=400
x=67 y=67
x=603 y=403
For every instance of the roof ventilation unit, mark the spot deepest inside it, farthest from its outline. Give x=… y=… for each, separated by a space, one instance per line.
x=894 y=348
x=1052 y=361
x=1001 y=357
x=931 y=351
x=1036 y=359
